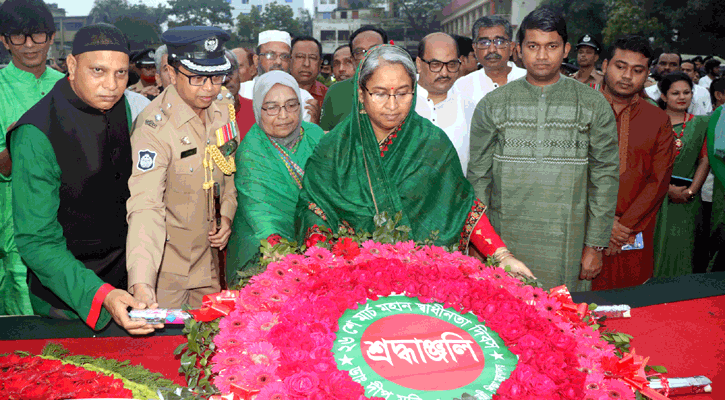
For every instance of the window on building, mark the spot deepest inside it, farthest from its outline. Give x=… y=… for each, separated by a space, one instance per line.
x=355 y=15
x=327 y=36
x=343 y=14
x=73 y=26
x=245 y=1
x=343 y=35
x=326 y=15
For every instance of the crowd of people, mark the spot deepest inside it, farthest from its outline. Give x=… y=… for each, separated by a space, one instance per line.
x=149 y=179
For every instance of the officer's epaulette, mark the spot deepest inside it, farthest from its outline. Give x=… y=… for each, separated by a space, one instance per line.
x=155 y=121
x=225 y=97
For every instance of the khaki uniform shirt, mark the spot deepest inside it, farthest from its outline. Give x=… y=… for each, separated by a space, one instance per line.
x=595 y=77
x=169 y=212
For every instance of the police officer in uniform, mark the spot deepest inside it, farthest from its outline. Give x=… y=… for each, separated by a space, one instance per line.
x=183 y=146
x=587 y=55
x=146 y=66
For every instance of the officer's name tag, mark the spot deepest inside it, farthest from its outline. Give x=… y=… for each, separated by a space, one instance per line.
x=188 y=153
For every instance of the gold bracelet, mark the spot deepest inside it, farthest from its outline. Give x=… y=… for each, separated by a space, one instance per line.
x=501 y=253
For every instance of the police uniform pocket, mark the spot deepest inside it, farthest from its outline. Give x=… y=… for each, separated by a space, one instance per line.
x=188 y=175
x=177 y=253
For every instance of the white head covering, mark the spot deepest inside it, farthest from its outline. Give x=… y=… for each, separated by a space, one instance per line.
x=274 y=36
x=262 y=85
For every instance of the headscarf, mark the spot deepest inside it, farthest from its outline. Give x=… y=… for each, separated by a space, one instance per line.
x=348 y=181
x=262 y=85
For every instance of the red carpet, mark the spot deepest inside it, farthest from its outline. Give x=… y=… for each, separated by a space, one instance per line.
x=687 y=337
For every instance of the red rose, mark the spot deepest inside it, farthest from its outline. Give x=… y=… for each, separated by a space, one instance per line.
x=314 y=238
x=274 y=239
x=346 y=248
x=301 y=384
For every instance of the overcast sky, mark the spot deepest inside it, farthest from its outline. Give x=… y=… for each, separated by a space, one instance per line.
x=83 y=7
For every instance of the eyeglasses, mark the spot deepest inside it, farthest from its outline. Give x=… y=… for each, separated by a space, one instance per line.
x=200 y=80
x=359 y=54
x=484 y=43
x=274 y=56
x=437 y=66
x=290 y=106
x=19 y=39
x=302 y=57
x=382 y=97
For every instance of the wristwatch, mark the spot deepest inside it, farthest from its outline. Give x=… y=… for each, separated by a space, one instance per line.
x=598 y=249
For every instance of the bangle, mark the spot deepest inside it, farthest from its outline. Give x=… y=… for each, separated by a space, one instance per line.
x=501 y=253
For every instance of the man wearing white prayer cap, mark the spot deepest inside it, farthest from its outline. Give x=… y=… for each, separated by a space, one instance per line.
x=274 y=52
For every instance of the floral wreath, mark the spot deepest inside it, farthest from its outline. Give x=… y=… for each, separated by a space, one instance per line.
x=277 y=341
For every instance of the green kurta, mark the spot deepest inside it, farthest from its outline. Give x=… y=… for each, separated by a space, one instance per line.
x=674 y=240
x=36 y=177
x=717 y=165
x=546 y=161
x=266 y=193
x=19 y=90
x=337 y=104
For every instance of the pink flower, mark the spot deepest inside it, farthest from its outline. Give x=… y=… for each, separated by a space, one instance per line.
x=616 y=389
x=319 y=255
x=273 y=391
x=263 y=353
x=257 y=376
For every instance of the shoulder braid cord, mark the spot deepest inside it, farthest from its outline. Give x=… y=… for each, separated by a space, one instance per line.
x=212 y=156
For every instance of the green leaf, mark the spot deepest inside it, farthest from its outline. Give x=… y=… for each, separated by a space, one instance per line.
x=187 y=360
x=592 y=306
x=180 y=348
x=659 y=368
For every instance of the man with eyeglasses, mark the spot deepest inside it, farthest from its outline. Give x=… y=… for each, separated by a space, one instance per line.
x=183 y=146
x=339 y=98
x=306 y=63
x=438 y=66
x=492 y=43
x=27 y=30
x=274 y=52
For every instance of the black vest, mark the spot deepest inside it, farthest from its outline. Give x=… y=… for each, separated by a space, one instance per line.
x=93 y=151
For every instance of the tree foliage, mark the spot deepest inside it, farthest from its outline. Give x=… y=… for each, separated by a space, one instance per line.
x=200 y=13
x=414 y=19
x=140 y=23
x=274 y=16
x=629 y=16
x=582 y=17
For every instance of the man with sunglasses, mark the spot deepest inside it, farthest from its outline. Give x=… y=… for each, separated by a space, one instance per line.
x=492 y=43
x=27 y=30
x=274 y=52
x=438 y=65
x=183 y=146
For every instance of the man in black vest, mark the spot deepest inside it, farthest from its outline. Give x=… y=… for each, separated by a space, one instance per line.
x=71 y=161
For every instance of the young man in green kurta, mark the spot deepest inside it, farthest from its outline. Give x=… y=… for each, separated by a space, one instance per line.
x=71 y=157
x=545 y=159
x=337 y=104
x=27 y=33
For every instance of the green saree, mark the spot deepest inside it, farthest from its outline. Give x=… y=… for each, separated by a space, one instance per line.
x=266 y=193
x=347 y=181
x=674 y=237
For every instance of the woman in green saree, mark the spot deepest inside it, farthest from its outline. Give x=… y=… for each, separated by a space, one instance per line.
x=270 y=167
x=674 y=237
x=384 y=157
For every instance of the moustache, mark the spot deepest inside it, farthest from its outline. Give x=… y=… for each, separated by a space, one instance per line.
x=443 y=78
x=493 y=56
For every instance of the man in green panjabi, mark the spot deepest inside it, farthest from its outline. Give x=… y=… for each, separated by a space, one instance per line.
x=545 y=159
x=71 y=159
x=337 y=104
x=27 y=33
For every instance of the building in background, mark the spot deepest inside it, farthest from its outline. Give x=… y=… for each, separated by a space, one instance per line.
x=459 y=16
x=333 y=28
x=65 y=30
x=245 y=6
